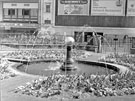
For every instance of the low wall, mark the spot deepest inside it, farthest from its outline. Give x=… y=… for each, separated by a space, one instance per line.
x=115 y=67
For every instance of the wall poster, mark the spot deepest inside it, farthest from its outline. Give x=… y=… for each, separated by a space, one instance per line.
x=74 y=7
x=108 y=7
x=131 y=8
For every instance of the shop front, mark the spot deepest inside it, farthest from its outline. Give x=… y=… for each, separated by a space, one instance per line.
x=132 y=50
x=20 y=12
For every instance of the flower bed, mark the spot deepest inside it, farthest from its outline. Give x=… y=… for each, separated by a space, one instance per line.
x=31 y=39
x=121 y=59
x=77 y=86
x=32 y=55
x=5 y=73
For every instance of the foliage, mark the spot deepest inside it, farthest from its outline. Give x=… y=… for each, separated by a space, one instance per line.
x=76 y=86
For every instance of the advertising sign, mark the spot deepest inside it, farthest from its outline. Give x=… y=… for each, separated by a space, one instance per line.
x=131 y=8
x=73 y=8
x=74 y=1
x=108 y=7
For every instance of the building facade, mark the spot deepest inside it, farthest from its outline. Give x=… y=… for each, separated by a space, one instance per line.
x=19 y=15
x=26 y=14
x=114 y=19
x=47 y=12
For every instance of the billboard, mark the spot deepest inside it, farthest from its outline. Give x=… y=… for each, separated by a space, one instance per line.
x=73 y=8
x=108 y=7
x=131 y=8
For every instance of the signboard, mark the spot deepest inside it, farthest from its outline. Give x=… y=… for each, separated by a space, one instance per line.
x=131 y=8
x=73 y=8
x=133 y=42
x=73 y=1
x=20 y=5
x=108 y=7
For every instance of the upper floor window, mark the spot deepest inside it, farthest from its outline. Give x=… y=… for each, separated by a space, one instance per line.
x=47 y=21
x=26 y=12
x=11 y=12
x=47 y=7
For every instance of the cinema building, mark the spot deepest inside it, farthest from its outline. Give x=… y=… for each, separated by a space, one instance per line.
x=113 y=19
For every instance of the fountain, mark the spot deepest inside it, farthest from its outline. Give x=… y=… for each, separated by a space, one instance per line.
x=47 y=62
x=69 y=62
x=71 y=65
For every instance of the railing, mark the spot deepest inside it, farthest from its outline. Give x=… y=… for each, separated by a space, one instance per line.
x=42 y=43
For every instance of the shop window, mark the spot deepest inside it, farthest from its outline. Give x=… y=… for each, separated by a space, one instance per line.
x=26 y=12
x=11 y=12
x=48 y=8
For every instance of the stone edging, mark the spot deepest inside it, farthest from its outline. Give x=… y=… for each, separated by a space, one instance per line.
x=116 y=67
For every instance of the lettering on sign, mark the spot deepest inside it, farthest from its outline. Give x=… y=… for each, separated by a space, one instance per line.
x=14 y=4
x=26 y=4
x=74 y=1
x=108 y=7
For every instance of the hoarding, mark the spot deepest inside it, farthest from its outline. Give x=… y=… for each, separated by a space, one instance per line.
x=73 y=8
x=108 y=7
x=131 y=8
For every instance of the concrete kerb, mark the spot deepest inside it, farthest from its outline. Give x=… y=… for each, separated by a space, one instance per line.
x=13 y=68
x=119 y=68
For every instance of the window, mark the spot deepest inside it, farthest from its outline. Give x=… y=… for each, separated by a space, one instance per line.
x=47 y=21
x=11 y=12
x=34 y=12
x=26 y=12
x=48 y=8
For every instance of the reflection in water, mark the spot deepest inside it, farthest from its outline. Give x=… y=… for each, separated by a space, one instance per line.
x=53 y=66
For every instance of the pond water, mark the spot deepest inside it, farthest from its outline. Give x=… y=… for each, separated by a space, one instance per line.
x=48 y=68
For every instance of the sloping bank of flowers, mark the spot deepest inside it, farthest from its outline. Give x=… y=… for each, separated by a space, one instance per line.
x=5 y=73
x=78 y=86
x=127 y=60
